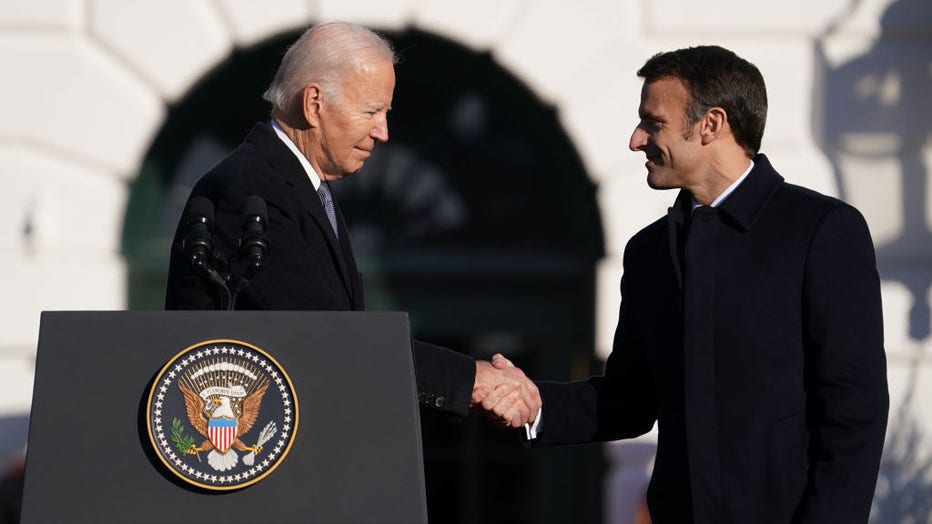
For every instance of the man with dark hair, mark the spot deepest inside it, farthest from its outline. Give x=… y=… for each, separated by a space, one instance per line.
x=750 y=327
x=714 y=77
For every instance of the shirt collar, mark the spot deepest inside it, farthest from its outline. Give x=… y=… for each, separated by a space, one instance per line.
x=728 y=190
x=308 y=168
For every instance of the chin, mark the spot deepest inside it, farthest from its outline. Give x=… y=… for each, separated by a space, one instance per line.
x=655 y=181
x=347 y=171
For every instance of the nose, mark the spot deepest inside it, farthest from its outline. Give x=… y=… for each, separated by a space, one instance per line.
x=638 y=139
x=379 y=131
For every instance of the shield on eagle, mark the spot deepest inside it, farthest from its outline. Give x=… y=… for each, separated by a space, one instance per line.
x=221 y=432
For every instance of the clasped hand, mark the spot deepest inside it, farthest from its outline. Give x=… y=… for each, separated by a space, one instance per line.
x=504 y=393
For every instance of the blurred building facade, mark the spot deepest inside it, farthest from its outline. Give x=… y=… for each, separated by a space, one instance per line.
x=90 y=84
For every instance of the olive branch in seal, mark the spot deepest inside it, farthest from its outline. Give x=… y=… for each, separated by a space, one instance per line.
x=183 y=443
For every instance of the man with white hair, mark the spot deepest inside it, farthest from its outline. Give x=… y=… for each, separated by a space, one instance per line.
x=330 y=97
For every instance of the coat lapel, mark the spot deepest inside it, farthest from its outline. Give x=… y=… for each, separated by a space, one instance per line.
x=284 y=163
x=742 y=207
x=353 y=278
x=745 y=205
x=676 y=232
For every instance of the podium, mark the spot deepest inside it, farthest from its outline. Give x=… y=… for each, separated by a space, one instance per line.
x=354 y=456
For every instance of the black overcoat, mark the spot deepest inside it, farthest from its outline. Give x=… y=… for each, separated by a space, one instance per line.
x=307 y=267
x=752 y=334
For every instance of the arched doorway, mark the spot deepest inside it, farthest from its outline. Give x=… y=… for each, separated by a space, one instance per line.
x=477 y=218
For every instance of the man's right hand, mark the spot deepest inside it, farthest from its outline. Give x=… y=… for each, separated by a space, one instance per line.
x=504 y=393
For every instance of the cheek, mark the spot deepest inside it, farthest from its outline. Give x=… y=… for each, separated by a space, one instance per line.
x=671 y=146
x=362 y=130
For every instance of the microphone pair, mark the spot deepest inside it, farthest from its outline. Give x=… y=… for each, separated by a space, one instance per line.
x=252 y=246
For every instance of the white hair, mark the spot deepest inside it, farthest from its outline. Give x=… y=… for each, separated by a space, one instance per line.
x=324 y=54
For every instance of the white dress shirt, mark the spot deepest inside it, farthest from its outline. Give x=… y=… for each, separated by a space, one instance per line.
x=728 y=190
x=308 y=168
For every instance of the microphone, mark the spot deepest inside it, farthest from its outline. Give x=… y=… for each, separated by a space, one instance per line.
x=198 y=242
x=254 y=243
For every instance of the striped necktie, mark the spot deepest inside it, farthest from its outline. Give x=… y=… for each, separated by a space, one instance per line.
x=327 y=200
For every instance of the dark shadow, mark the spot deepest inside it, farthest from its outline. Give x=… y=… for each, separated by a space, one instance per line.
x=877 y=106
x=903 y=486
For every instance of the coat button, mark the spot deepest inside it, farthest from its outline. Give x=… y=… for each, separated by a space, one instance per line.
x=439 y=401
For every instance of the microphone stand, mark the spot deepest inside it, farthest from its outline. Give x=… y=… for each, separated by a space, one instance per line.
x=198 y=246
x=252 y=246
x=253 y=243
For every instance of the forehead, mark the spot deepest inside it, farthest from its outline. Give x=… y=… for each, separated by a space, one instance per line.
x=666 y=96
x=371 y=82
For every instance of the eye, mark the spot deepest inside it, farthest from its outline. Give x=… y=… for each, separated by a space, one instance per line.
x=651 y=125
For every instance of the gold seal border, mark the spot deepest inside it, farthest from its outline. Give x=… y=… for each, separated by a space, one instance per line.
x=158 y=450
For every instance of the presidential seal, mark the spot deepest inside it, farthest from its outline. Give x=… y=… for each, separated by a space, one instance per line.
x=222 y=414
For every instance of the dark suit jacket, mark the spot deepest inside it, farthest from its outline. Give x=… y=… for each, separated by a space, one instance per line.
x=306 y=268
x=760 y=356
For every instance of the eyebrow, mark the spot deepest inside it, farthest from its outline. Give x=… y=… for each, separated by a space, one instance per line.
x=644 y=115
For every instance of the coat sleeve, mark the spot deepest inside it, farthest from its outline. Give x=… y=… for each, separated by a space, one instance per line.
x=621 y=403
x=846 y=378
x=444 y=378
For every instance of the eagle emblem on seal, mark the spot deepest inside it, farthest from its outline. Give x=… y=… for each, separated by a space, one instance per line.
x=207 y=406
x=222 y=415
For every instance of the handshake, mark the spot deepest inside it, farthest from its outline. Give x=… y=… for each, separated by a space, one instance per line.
x=504 y=393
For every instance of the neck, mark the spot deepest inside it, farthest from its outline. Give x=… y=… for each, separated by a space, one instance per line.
x=301 y=137
x=720 y=173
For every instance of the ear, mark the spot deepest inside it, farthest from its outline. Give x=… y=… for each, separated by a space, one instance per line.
x=311 y=98
x=714 y=125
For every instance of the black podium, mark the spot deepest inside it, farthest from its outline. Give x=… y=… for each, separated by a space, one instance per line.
x=355 y=454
